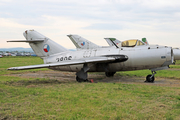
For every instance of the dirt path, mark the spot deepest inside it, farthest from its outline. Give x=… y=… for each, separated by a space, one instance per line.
x=65 y=77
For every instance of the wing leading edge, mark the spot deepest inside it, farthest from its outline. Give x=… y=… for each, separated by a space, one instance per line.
x=73 y=62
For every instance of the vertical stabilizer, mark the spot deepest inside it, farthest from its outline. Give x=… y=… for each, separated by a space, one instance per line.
x=45 y=48
x=145 y=41
x=111 y=40
x=81 y=42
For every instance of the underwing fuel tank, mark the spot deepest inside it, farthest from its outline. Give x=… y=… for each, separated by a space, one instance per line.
x=176 y=53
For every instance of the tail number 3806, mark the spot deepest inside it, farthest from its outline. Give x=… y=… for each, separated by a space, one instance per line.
x=63 y=58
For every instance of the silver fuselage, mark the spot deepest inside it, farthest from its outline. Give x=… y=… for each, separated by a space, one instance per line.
x=139 y=57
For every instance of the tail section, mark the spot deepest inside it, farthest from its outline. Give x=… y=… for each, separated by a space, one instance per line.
x=81 y=42
x=42 y=46
x=145 y=41
x=176 y=53
x=111 y=40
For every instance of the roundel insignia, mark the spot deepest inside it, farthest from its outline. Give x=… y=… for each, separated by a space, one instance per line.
x=83 y=43
x=46 y=48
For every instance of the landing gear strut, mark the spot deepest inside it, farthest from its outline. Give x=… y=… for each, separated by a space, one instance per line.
x=82 y=74
x=110 y=74
x=150 y=78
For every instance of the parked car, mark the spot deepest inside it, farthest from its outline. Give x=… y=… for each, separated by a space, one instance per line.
x=18 y=54
x=1 y=56
x=13 y=54
x=27 y=54
x=33 y=55
x=7 y=54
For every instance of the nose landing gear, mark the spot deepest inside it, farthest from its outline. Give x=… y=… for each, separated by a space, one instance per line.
x=150 y=78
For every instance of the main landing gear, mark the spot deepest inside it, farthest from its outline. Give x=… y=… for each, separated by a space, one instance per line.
x=82 y=74
x=110 y=74
x=150 y=78
x=81 y=80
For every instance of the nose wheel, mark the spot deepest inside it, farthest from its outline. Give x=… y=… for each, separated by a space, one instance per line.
x=150 y=78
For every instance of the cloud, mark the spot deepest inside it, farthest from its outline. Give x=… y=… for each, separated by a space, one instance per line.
x=104 y=26
x=93 y=19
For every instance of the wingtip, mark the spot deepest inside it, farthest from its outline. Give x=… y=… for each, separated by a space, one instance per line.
x=12 y=68
x=8 y=41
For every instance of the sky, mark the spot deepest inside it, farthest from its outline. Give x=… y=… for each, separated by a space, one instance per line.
x=157 y=20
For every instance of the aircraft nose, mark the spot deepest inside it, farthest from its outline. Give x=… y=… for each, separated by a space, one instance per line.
x=176 y=53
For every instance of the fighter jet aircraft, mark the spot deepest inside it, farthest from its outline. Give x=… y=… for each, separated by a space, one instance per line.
x=127 y=56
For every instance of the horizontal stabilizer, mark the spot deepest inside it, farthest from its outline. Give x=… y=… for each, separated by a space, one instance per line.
x=29 y=41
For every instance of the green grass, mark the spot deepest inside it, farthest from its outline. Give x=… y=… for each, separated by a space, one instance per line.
x=177 y=64
x=44 y=98
x=38 y=100
x=143 y=73
x=8 y=62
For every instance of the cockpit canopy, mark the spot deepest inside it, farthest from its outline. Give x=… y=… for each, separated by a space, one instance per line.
x=132 y=43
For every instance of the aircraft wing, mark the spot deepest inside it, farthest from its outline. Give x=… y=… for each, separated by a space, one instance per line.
x=105 y=59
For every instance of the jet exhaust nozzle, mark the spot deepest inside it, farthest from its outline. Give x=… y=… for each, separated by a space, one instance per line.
x=176 y=53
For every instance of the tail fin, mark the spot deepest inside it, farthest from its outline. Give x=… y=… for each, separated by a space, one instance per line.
x=109 y=41
x=145 y=41
x=81 y=42
x=45 y=46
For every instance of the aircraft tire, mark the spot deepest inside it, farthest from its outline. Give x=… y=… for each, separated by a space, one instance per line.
x=80 y=80
x=149 y=79
x=110 y=74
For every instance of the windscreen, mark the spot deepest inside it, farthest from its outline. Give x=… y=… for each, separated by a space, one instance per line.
x=129 y=43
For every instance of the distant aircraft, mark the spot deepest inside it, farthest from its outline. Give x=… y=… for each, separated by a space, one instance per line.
x=127 y=56
x=82 y=43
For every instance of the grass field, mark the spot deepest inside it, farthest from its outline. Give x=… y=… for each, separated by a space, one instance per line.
x=44 y=98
